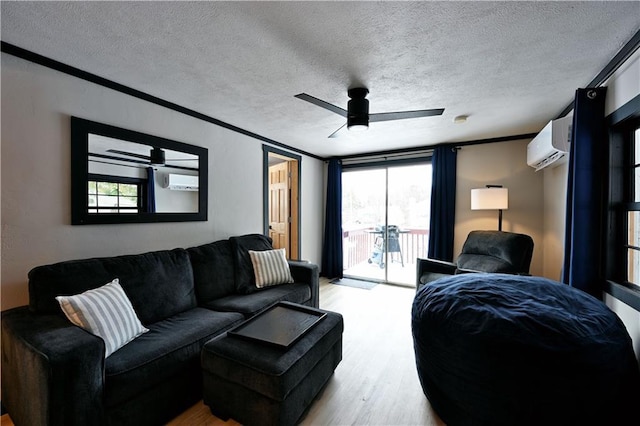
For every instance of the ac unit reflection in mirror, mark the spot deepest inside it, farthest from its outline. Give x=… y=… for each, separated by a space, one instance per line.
x=180 y=182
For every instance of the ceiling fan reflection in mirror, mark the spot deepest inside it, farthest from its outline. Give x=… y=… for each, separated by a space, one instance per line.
x=357 y=112
x=156 y=156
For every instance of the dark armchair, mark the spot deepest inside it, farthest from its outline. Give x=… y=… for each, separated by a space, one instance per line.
x=483 y=251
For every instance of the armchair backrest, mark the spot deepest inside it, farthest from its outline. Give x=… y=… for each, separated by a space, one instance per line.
x=496 y=251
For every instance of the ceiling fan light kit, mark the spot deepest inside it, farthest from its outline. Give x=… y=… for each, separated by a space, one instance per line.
x=357 y=127
x=460 y=119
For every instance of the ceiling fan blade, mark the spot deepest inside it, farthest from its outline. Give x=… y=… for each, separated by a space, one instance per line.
x=111 y=157
x=130 y=154
x=388 y=116
x=322 y=104
x=338 y=132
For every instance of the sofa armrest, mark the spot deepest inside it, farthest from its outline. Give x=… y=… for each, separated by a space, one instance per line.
x=52 y=371
x=307 y=273
x=437 y=266
x=424 y=266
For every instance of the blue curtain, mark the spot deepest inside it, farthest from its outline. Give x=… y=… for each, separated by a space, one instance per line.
x=586 y=193
x=443 y=203
x=151 y=190
x=332 y=245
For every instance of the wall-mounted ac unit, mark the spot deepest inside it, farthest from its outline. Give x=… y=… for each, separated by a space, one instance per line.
x=180 y=182
x=551 y=145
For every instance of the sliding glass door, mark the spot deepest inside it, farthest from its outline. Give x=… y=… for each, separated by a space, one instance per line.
x=385 y=221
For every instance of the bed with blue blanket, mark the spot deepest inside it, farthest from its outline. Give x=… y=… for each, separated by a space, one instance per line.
x=497 y=349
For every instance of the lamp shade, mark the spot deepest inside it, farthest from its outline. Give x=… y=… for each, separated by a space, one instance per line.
x=490 y=199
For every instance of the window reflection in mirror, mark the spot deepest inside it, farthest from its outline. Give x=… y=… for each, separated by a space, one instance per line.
x=122 y=176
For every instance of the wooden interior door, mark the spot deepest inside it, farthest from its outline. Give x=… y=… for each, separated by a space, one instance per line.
x=279 y=183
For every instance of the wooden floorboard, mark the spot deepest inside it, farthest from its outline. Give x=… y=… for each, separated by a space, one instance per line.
x=376 y=383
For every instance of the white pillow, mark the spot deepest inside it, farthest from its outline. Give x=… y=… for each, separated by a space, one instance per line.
x=270 y=267
x=105 y=312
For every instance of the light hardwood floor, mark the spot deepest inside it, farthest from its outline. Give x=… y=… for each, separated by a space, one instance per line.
x=376 y=383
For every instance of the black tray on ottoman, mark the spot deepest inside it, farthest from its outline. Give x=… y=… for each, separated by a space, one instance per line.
x=258 y=381
x=281 y=325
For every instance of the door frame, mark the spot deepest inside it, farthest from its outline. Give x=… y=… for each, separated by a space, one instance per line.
x=385 y=165
x=295 y=197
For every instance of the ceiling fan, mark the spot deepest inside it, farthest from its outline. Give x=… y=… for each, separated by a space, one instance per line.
x=156 y=156
x=357 y=112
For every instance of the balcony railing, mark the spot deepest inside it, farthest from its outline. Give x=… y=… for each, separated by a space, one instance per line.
x=359 y=245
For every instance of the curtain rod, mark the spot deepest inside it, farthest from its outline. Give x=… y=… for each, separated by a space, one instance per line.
x=399 y=156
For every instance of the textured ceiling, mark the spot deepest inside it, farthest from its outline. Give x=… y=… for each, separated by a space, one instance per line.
x=509 y=66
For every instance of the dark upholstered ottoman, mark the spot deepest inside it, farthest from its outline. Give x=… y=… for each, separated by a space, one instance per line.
x=495 y=349
x=258 y=384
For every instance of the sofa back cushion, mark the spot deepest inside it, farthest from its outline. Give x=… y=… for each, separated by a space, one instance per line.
x=159 y=284
x=245 y=279
x=213 y=270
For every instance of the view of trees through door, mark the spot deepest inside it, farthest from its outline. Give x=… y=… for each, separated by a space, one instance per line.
x=385 y=221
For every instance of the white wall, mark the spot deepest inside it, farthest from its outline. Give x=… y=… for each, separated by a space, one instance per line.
x=555 y=200
x=36 y=215
x=312 y=210
x=623 y=86
x=503 y=164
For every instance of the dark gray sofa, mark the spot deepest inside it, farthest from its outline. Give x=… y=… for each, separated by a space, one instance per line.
x=54 y=373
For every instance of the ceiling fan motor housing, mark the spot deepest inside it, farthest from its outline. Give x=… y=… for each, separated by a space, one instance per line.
x=358 y=108
x=157 y=156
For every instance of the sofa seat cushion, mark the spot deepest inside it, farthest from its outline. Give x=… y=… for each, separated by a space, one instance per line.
x=170 y=347
x=251 y=304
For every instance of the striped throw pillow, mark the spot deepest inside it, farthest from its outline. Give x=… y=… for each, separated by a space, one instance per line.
x=270 y=267
x=105 y=312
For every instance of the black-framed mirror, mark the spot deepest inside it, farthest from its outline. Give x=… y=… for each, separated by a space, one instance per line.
x=124 y=176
